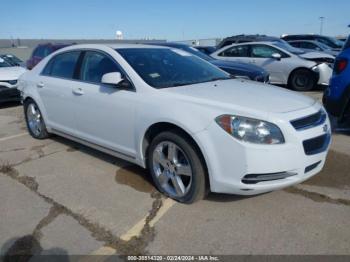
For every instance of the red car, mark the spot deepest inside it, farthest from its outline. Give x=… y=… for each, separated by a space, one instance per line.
x=41 y=51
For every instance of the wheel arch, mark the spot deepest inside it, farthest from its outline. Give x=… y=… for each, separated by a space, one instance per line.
x=303 y=68
x=156 y=128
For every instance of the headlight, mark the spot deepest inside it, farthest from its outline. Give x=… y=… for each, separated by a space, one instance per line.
x=12 y=82
x=251 y=130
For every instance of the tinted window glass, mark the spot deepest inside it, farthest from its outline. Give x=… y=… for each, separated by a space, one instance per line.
x=308 y=45
x=264 y=51
x=236 y=51
x=4 y=63
x=63 y=65
x=295 y=44
x=95 y=65
x=162 y=68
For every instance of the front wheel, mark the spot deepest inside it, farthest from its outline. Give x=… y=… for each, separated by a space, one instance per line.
x=302 y=80
x=34 y=119
x=176 y=167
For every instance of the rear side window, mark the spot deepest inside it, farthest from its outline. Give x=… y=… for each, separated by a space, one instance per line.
x=236 y=51
x=95 y=65
x=62 y=65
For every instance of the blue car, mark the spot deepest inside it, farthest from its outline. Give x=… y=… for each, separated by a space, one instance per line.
x=336 y=98
x=237 y=69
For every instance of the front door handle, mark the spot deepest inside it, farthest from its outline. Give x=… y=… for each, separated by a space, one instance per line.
x=40 y=85
x=78 y=91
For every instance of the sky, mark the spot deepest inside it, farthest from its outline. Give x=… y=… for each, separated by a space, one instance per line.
x=169 y=19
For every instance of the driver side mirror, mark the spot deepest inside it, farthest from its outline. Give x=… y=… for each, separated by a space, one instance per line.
x=114 y=78
x=276 y=56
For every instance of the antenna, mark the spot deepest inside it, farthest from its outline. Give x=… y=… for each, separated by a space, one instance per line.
x=322 y=18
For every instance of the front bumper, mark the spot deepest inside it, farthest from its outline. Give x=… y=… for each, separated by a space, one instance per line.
x=229 y=161
x=325 y=73
x=9 y=92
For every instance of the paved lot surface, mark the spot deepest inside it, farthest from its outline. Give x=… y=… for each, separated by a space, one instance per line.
x=59 y=197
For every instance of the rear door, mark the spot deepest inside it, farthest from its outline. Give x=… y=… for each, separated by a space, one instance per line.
x=55 y=86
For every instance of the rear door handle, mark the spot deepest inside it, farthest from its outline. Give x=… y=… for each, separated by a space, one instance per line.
x=40 y=85
x=78 y=91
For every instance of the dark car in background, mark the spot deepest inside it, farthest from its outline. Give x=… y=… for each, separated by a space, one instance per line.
x=236 y=69
x=206 y=49
x=42 y=51
x=336 y=98
x=238 y=39
x=332 y=42
x=310 y=45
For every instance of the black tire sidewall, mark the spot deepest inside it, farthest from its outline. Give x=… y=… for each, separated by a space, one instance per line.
x=44 y=134
x=198 y=187
x=305 y=72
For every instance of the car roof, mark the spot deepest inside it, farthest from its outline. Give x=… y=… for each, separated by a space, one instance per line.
x=302 y=40
x=247 y=37
x=113 y=46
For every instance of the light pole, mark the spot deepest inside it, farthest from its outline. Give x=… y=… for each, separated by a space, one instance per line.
x=321 y=26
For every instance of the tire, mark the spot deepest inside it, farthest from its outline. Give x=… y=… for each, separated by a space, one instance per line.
x=302 y=80
x=34 y=120
x=176 y=167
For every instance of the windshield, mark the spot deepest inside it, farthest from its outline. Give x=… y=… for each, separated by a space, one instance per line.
x=163 y=67
x=4 y=63
x=13 y=58
x=323 y=46
x=196 y=52
x=330 y=41
x=284 y=45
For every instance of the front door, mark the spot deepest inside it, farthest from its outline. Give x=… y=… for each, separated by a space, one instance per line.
x=105 y=113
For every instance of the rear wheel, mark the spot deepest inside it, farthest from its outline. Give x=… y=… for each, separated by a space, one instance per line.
x=302 y=80
x=35 y=122
x=176 y=167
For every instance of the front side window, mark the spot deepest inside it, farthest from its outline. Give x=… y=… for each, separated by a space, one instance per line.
x=95 y=65
x=236 y=51
x=162 y=68
x=62 y=65
x=264 y=51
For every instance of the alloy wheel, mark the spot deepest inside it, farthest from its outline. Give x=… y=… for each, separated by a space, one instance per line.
x=172 y=169
x=34 y=118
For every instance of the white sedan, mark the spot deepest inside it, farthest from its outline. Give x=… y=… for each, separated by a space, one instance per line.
x=9 y=74
x=287 y=65
x=195 y=129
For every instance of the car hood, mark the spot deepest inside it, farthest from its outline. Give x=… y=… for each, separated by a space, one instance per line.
x=243 y=95
x=243 y=67
x=312 y=55
x=11 y=73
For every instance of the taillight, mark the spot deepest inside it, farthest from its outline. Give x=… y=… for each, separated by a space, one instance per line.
x=340 y=65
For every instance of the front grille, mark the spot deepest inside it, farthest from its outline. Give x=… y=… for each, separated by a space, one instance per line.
x=257 y=178
x=309 y=121
x=316 y=145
